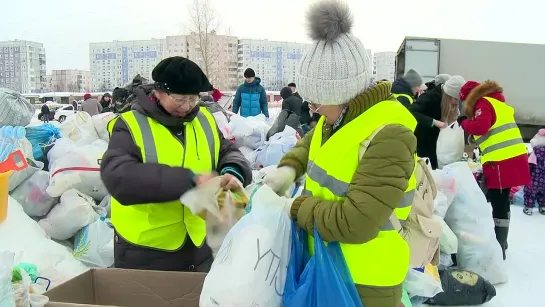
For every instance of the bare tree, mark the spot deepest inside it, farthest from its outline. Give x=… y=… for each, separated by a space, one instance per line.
x=204 y=24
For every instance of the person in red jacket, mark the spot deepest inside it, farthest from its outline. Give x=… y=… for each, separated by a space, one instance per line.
x=216 y=94
x=507 y=163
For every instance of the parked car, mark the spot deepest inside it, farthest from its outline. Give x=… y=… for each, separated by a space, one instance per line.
x=63 y=112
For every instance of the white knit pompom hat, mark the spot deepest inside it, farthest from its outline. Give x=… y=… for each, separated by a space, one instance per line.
x=336 y=67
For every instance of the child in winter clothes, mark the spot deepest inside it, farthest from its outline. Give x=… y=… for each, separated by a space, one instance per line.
x=535 y=191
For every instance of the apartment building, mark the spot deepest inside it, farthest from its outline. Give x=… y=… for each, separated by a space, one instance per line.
x=23 y=66
x=274 y=62
x=218 y=60
x=69 y=80
x=384 y=65
x=116 y=63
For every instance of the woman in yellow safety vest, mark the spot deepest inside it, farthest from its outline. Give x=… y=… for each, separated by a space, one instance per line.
x=491 y=122
x=358 y=160
x=163 y=147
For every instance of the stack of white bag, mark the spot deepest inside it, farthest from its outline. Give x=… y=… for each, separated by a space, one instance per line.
x=73 y=166
x=250 y=131
x=470 y=217
x=100 y=122
x=79 y=128
x=251 y=265
x=272 y=151
x=75 y=211
x=22 y=236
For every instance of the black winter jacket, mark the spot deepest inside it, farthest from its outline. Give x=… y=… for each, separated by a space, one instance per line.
x=426 y=109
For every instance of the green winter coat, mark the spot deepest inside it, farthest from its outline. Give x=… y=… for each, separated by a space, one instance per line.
x=377 y=187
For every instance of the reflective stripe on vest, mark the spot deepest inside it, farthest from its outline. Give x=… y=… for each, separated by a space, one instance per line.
x=165 y=226
x=411 y=99
x=503 y=140
x=383 y=261
x=340 y=188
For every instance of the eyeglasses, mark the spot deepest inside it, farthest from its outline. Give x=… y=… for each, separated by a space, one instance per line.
x=185 y=100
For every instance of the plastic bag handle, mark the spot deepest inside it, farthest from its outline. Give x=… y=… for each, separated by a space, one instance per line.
x=43 y=278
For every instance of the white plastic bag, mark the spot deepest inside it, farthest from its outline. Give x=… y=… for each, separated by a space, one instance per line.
x=94 y=245
x=273 y=150
x=16 y=178
x=248 y=153
x=75 y=211
x=6 y=289
x=79 y=128
x=100 y=122
x=249 y=131
x=446 y=184
x=107 y=205
x=470 y=218
x=250 y=268
x=78 y=168
x=446 y=191
x=32 y=195
x=203 y=201
x=422 y=284
x=448 y=243
x=223 y=124
x=450 y=145
x=61 y=147
x=15 y=110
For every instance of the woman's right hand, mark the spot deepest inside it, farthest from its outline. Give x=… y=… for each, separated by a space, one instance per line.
x=439 y=124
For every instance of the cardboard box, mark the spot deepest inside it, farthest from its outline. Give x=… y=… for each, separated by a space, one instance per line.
x=128 y=288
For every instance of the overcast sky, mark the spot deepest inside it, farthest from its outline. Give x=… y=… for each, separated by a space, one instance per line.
x=66 y=27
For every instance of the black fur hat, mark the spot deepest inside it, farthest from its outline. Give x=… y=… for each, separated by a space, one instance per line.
x=179 y=75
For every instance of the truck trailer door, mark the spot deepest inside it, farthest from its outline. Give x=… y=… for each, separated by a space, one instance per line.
x=422 y=55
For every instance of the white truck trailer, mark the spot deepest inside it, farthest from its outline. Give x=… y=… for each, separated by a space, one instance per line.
x=518 y=68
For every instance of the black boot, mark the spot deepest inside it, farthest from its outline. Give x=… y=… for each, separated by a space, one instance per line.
x=501 y=236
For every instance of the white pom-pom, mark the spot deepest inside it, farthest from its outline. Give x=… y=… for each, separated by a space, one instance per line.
x=328 y=19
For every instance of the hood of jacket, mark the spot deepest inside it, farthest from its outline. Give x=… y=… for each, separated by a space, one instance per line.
x=400 y=86
x=146 y=104
x=487 y=88
x=256 y=82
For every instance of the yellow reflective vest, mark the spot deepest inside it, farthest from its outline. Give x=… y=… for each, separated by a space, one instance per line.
x=411 y=99
x=165 y=226
x=503 y=140
x=383 y=261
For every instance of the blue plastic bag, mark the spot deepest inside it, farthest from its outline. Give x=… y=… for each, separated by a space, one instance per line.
x=322 y=280
x=41 y=137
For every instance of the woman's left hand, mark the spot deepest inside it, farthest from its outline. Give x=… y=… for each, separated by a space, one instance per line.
x=229 y=182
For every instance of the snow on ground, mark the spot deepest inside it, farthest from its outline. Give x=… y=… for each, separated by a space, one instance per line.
x=524 y=263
